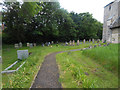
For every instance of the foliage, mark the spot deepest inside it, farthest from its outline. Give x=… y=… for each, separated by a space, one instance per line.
x=46 y=21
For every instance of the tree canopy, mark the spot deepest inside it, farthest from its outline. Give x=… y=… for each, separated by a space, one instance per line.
x=47 y=21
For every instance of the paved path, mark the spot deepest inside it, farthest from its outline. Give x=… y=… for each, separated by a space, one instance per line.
x=48 y=74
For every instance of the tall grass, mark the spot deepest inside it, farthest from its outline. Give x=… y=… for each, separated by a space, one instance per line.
x=106 y=56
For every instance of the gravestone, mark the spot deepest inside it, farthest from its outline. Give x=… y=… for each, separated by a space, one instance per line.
x=43 y=45
x=78 y=42
x=28 y=44
x=66 y=43
x=20 y=44
x=34 y=44
x=31 y=45
x=89 y=40
x=52 y=42
x=22 y=54
x=98 y=40
x=84 y=41
x=16 y=46
x=73 y=42
x=93 y=41
x=70 y=42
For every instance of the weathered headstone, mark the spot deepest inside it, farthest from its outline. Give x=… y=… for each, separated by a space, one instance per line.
x=98 y=40
x=93 y=41
x=16 y=46
x=89 y=40
x=52 y=42
x=70 y=42
x=20 y=44
x=66 y=43
x=34 y=44
x=31 y=45
x=78 y=42
x=73 y=42
x=84 y=41
x=43 y=45
x=28 y=44
x=22 y=54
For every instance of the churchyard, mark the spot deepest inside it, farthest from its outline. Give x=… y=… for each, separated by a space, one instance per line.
x=91 y=67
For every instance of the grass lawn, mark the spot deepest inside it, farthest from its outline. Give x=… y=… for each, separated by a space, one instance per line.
x=94 y=68
x=25 y=75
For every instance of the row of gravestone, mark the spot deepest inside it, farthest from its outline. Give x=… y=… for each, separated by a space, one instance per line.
x=72 y=43
x=19 y=45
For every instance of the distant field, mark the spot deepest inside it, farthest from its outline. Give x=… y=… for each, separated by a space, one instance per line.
x=94 y=68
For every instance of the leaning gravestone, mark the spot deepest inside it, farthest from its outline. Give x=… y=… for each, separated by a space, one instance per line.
x=22 y=54
x=28 y=44
x=16 y=46
x=93 y=41
x=31 y=45
x=84 y=41
x=20 y=44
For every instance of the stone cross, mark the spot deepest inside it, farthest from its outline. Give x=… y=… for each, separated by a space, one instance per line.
x=84 y=41
x=20 y=44
x=16 y=46
x=28 y=44
x=78 y=42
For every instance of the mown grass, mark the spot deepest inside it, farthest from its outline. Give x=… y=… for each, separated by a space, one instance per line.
x=25 y=75
x=79 y=71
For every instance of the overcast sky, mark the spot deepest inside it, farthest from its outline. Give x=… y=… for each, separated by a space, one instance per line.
x=95 y=7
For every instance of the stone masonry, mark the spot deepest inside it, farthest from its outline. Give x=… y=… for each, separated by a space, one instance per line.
x=111 y=27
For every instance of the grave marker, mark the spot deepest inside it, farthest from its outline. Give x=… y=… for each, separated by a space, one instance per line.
x=73 y=42
x=16 y=46
x=70 y=42
x=93 y=41
x=20 y=44
x=84 y=41
x=78 y=42
x=28 y=44
x=89 y=40
x=31 y=45
x=22 y=54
